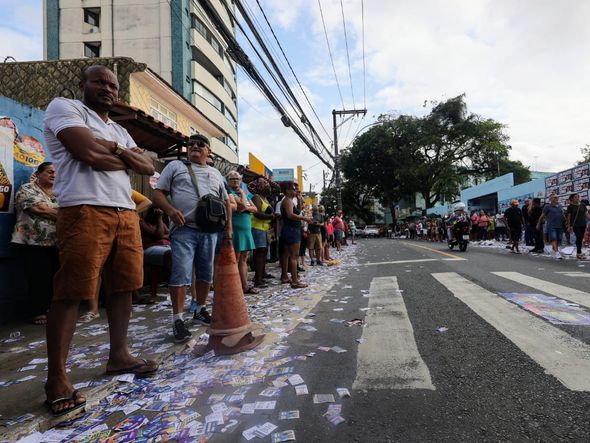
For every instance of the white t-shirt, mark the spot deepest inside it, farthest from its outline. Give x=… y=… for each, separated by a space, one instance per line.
x=77 y=183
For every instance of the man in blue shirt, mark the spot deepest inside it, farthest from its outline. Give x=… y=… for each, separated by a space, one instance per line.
x=553 y=216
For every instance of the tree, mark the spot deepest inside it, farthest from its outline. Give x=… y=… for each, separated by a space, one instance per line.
x=356 y=201
x=433 y=155
x=586 y=153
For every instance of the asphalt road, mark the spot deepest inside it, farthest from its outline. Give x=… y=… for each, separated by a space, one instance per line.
x=485 y=387
x=496 y=372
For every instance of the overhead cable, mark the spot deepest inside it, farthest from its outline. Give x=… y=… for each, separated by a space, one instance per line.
x=347 y=53
x=330 y=52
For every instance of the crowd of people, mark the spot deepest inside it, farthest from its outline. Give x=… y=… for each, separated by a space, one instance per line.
x=534 y=223
x=79 y=231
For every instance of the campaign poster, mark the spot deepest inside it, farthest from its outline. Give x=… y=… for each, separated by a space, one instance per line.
x=565 y=176
x=551 y=181
x=6 y=168
x=581 y=185
x=552 y=190
x=581 y=171
x=566 y=189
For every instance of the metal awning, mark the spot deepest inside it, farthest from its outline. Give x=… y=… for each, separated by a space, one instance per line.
x=148 y=132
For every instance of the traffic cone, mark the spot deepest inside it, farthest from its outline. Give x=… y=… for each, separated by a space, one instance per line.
x=231 y=330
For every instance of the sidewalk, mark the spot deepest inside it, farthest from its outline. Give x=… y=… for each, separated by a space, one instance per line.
x=178 y=401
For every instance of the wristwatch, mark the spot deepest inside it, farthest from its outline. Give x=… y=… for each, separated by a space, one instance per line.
x=119 y=149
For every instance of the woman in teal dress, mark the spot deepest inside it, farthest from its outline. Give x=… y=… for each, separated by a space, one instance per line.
x=242 y=228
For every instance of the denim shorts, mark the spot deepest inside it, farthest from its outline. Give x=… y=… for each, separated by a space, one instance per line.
x=154 y=255
x=189 y=245
x=290 y=235
x=260 y=240
x=338 y=235
x=555 y=234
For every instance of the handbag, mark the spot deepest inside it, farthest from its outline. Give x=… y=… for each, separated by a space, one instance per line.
x=210 y=213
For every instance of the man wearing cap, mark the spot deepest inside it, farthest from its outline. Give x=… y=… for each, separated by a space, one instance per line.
x=514 y=222
x=189 y=244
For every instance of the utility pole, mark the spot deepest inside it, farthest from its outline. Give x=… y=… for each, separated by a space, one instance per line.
x=352 y=113
x=324 y=180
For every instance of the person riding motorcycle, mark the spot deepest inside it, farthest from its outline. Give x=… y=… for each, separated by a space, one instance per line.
x=459 y=216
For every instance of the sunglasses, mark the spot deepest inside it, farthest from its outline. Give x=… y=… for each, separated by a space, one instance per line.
x=198 y=144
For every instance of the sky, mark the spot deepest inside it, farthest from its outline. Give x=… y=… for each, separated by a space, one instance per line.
x=524 y=64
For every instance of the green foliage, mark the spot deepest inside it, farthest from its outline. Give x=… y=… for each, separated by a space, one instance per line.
x=586 y=153
x=433 y=155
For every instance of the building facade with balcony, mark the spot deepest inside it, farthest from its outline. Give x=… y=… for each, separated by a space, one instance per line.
x=174 y=38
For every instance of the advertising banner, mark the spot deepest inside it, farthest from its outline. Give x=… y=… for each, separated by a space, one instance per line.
x=565 y=183
x=283 y=175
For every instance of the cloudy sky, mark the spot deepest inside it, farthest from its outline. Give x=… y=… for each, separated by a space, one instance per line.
x=522 y=63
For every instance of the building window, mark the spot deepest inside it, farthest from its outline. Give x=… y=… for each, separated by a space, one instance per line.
x=197 y=24
x=162 y=113
x=92 y=50
x=92 y=16
x=201 y=91
x=227 y=140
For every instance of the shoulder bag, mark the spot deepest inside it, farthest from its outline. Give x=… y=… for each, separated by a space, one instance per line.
x=210 y=213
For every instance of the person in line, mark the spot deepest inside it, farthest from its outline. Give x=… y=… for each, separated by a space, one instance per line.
x=338 y=229
x=500 y=227
x=491 y=226
x=314 y=241
x=291 y=234
x=97 y=228
x=242 y=228
x=261 y=224
x=474 y=226
x=534 y=215
x=514 y=221
x=528 y=229
x=188 y=242
x=482 y=224
x=553 y=217
x=352 y=226
x=577 y=216
x=324 y=230
x=34 y=239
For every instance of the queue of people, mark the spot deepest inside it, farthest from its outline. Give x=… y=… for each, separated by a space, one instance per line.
x=78 y=230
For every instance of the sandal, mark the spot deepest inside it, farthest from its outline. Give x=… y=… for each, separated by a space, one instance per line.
x=581 y=257
x=268 y=276
x=88 y=317
x=146 y=368
x=261 y=285
x=285 y=281
x=73 y=397
x=298 y=285
x=40 y=320
x=251 y=290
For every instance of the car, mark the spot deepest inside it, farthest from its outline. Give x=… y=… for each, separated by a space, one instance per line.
x=371 y=231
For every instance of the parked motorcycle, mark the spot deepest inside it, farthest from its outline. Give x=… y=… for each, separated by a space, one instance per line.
x=460 y=237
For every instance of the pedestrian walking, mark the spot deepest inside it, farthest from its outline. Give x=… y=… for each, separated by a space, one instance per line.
x=514 y=221
x=577 y=216
x=554 y=220
x=534 y=215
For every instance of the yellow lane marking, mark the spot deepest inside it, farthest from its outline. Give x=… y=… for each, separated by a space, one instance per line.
x=453 y=256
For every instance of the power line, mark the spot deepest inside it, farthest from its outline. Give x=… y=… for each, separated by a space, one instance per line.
x=347 y=53
x=237 y=53
x=283 y=84
x=330 y=52
x=364 y=70
x=291 y=68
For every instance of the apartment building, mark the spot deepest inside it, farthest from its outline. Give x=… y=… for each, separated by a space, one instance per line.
x=174 y=38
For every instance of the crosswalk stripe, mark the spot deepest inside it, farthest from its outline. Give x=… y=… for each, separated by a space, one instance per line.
x=561 y=355
x=388 y=357
x=579 y=297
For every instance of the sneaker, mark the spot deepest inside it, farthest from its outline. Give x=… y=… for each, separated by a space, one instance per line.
x=300 y=269
x=202 y=317
x=193 y=306
x=319 y=263
x=181 y=333
x=312 y=263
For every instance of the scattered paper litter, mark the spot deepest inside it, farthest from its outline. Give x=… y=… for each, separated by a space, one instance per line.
x=278 y=437
x=323 y=398
x=289 y=415
x=301 y=390
x=442 y=329
x=343 y=392
x=296 y=379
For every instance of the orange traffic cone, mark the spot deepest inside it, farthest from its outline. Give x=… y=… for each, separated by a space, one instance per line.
x=231 y=330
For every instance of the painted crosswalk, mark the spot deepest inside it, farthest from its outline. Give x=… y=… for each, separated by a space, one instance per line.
x=573 y=295
x=388 y=357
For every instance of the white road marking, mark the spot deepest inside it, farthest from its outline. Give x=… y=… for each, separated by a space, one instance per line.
x=574 y=274
x=418 y=260
x=388 y=358
x=561 y=355
x=579 y=297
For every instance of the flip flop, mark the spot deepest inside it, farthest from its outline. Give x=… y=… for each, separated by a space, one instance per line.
x=40 y=320
x=298 y=285
x=251 y=290
x=284 y=282
x=73 y=397
x=151 y=365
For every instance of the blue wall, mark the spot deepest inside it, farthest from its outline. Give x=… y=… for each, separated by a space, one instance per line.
x=181 y=50
x=491 y=186
x=29 y=122
x=535 y=188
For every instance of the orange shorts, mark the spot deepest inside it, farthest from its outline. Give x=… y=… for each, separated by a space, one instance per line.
x=97 y=241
